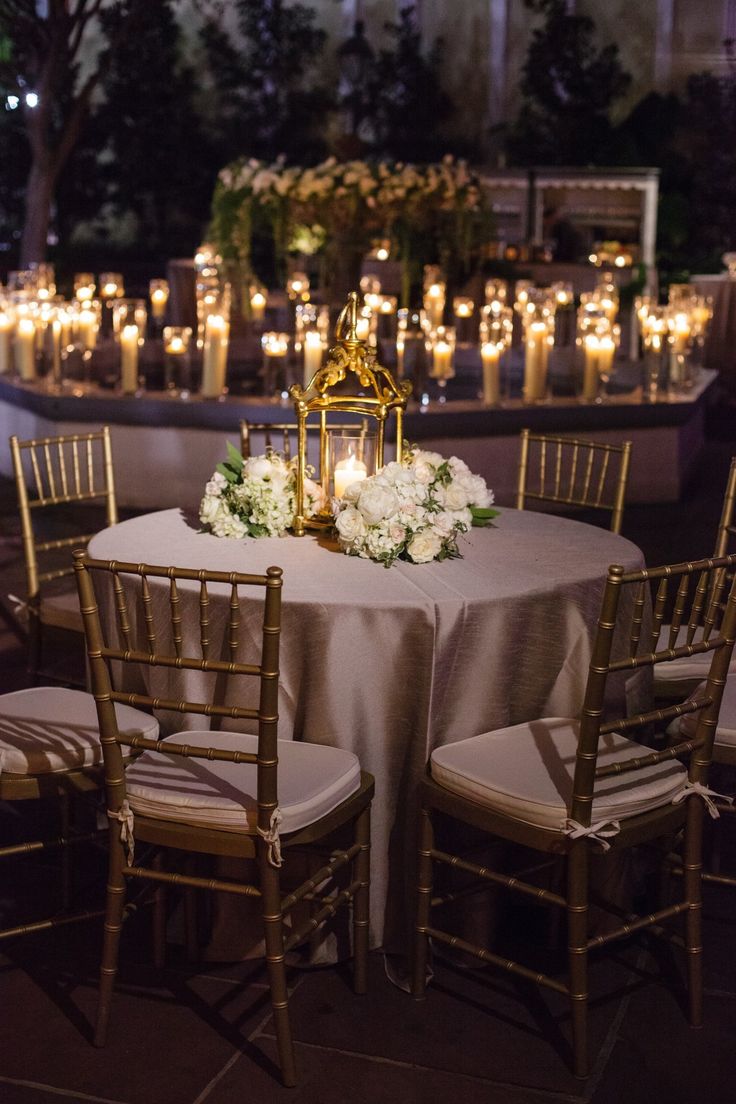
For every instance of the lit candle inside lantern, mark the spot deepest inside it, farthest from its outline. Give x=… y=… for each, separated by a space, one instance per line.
x=257 y=306
x=159 y=297
x=490 y=355
x=312 y=354
x=214 y=358
x=25 y=349
x=6 y=329
x=347 y=472
x=535 y=362
x=129 y=336
x=463 y=306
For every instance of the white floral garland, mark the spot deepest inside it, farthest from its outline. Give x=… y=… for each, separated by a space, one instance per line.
x=412 y=510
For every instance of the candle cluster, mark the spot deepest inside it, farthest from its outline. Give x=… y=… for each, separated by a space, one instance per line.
x=671 y=337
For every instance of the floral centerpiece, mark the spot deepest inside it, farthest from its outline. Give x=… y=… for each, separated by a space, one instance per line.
x=255 y=497
x=412 y=510
x=431 y=212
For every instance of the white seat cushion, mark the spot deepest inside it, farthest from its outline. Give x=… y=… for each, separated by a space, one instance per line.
x=726 y=730
x=49 y=728
x=526 y=772
x=687 y=668
x=312 y=781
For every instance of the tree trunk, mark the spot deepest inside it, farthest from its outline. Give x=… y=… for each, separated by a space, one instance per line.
x=39 y=194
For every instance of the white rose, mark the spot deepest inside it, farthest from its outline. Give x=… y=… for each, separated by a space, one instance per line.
x=257 y=467
x=444 y=523
x=424 y=546
x=376 y=502
x=433 y=458
x=350 y=524
x=454 y=496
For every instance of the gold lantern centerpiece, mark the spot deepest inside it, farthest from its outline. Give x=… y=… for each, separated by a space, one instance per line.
x=377 y=395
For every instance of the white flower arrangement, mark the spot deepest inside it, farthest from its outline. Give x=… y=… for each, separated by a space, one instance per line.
x=255 y=497
x=412 y=510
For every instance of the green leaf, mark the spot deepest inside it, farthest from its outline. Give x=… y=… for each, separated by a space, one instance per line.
x=234 y=459
x=483 y=515
x=227 y=471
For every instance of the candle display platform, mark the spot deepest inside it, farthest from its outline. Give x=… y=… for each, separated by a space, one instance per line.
x=165 y=448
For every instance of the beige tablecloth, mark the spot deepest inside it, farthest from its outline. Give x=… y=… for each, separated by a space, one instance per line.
x=393 y=663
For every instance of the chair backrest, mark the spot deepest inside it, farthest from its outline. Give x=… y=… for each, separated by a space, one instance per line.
x=574 y=473
x=55 y=472
x=705 y=603
x=284 y=433
x=726 y=528
x=159 y=617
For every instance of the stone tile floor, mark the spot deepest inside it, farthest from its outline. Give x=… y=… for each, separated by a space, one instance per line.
x=200 y=1033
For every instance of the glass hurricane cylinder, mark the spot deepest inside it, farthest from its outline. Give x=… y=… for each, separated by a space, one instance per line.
x=435 y=292
x=128 y=312
x=275 y=348
x=84 y=285
x=130 y=338
x=351 y=458
x=158 y=293
x=178 y=360
x=538 y=319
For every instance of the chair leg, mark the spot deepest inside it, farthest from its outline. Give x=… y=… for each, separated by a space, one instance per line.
x=420 y=948
x=577 y=952
x=692 y=871
x=362 y=875
x=35 y=630
x=66 y=852
x=114 y=906
x=191 y=934
x=159 y=916
x=275 y=961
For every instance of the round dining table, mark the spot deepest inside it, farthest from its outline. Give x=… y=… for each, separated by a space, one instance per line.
x=392 y=663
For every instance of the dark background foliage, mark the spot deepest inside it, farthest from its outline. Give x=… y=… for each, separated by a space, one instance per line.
x=168 y=106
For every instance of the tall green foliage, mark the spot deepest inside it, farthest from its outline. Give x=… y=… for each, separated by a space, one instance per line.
x=568 y=87
x=156 y=158
x=268 y=99
x=409 y=103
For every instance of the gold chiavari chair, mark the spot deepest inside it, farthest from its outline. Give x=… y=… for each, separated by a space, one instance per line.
x=50 y=752
x=54 y=478
x=574 y=787
x=283 y=433
x=683 y=676
x=215 y=792
x=573 y=473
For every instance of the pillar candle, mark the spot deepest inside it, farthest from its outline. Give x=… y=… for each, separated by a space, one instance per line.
x=159 y=299
x=535 y=362
x=257 y=306
x=6 y=329
x=312 y=354
x=129 y=359
x=490 y=356
x=442 y=360
x=591 y=376
x=348 y=472
x=214 y=359
x=25 y=349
